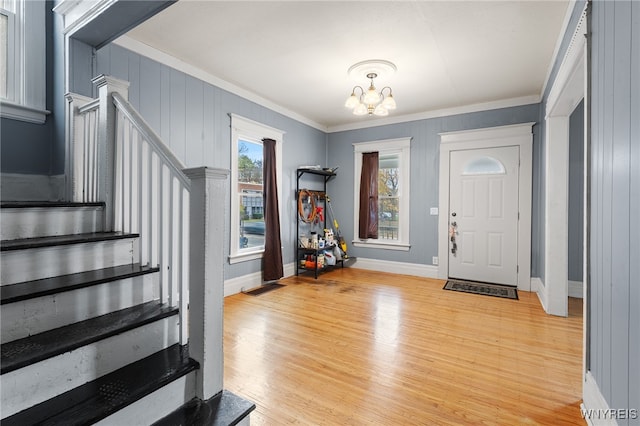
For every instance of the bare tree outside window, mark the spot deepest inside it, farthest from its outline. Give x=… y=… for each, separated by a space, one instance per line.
x=388 y=196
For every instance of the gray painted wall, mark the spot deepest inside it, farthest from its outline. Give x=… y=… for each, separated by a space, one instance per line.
x=192 y=117
x=29 y=148
x=576 y=193
x=614 y=323
x=425 y=158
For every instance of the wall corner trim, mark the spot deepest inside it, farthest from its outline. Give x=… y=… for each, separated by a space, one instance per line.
x=594 y=402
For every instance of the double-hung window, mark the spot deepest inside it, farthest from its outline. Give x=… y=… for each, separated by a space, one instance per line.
x=393 y=193
x=247 y=196
x=23 y=60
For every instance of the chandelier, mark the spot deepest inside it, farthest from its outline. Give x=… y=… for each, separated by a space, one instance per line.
x=371 y=101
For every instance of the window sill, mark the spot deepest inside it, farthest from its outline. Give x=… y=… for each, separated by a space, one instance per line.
x=245 y=257
x=19 y=112
x=381 y=245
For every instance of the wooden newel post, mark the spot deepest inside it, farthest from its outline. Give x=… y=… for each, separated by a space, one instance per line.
x=208 y=197
x=106 y=141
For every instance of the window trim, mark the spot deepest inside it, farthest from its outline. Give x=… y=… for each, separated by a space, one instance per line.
x=402 y=146
x=11 y=34
x=244 y=128
x=26 y=50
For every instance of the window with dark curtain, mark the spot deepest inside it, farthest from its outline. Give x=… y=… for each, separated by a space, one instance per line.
x=272 y=257
x=368 y=215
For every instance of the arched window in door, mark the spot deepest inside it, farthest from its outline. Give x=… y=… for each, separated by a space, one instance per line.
x=483 y=166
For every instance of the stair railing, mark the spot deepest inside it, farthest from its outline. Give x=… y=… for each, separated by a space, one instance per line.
x=151 y=198
x=120 y=160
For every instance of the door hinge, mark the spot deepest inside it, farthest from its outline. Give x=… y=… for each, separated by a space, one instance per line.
x=517 y=268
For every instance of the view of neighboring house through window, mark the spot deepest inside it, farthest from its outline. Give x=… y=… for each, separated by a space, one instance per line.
x=247 y=195
x=250 y=193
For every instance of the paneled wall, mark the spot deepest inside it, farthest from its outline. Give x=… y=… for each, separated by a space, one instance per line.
x=614 y=323
x=192 y=117
x=576 y=193
x=27 y=148
x=425 y=157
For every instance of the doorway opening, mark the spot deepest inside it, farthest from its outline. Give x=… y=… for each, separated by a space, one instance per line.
x=518 y=135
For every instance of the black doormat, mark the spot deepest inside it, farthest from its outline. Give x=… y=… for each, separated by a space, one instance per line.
x=496 y=290
x=263 y=289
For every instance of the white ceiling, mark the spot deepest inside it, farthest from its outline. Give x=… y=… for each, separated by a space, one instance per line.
x=295 y=54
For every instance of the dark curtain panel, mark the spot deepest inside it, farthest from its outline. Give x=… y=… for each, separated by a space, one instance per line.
x=272 y=259
x=368 y=226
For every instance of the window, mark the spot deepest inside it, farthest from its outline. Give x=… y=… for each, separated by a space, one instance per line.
x=22 y=60
x=247 y=210
x=388 y=196
x=5 y=19
x=7 y=35
x=393 y=193
x=484 y=166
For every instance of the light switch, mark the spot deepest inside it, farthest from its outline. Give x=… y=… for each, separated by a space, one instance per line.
x=433 y=211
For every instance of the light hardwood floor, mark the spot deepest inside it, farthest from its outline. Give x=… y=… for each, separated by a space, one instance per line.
x=358 y=347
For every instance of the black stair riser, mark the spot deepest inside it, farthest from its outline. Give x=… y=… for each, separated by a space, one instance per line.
x=98 y=399
x=47 y=286
x=63 y=240
x=29 y=350
x=225 y=408
x=47 y=204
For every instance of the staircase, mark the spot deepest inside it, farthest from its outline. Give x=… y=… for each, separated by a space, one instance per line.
x=85 y=336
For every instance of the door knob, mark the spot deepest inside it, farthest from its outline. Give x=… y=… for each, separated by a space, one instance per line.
x=453 y=214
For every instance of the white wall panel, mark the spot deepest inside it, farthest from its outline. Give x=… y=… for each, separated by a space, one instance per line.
x=634 y=213
x=614 y=323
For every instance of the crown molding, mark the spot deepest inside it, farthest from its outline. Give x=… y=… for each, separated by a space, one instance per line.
x=445 y=112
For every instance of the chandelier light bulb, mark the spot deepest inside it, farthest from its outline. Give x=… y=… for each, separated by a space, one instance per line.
x=381 y=111
x=360 y=109
x=352 y=101
x=371 y=97
x=389 y=102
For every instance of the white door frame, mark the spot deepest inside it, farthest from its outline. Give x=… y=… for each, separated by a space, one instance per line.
x=568 y=90
x=492 y=137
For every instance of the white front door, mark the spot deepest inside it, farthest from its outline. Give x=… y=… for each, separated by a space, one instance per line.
x=483 y=215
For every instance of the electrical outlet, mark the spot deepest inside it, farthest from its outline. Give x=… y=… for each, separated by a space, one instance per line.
x=434 y=260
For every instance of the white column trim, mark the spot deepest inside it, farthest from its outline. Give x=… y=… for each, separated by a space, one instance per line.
x=565 y=94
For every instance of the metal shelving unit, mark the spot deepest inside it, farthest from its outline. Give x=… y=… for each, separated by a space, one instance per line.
x=303 y=252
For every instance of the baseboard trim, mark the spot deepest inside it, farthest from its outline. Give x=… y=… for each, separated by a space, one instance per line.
x=576 y=289
x=246 y=282
x=23 y=187
x=427 y=271
x=537 y=286
x=593 y=401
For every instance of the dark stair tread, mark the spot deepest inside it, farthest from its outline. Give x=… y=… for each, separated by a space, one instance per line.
x=223 y=409
x=29 y=350
x=96 y=400
x=60 y=240
x=47 y=286
x=46 y=204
